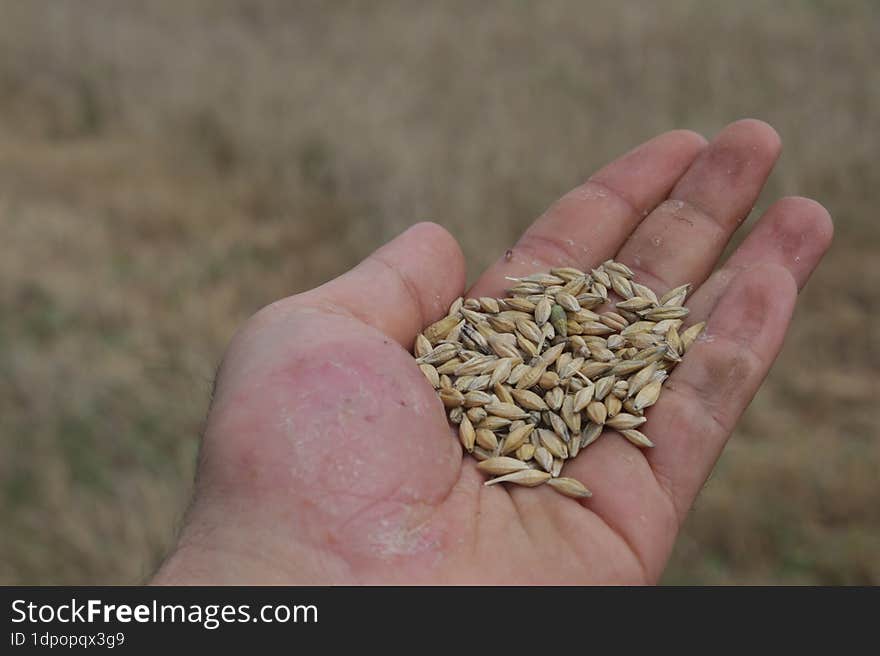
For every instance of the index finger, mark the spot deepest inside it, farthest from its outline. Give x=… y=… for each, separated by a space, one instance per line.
x=588 y=224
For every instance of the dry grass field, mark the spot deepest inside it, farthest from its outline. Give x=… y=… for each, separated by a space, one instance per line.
x=168 y=167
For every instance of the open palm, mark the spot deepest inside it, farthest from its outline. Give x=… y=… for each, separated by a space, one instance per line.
x=327 y=457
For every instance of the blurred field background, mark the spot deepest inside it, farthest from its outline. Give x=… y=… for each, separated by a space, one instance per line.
x=168 y=167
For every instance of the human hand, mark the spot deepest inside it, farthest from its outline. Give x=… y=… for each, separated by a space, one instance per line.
x=327 y=457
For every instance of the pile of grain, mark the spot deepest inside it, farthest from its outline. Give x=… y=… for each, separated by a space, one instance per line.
x=534 y=378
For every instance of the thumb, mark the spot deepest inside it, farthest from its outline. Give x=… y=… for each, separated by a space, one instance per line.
x=402 y=287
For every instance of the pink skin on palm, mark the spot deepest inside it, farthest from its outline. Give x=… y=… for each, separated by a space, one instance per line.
x=328 y=459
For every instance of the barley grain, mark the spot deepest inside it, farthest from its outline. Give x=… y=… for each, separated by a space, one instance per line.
x=499 y=465
x=516 y=438
x=597 y=412
x=486 y=438
x=689 y=336
x=570 y=487
x=526 y=452
x=625 y=421
x=466 y=434
x=544 y=458
x=539 y=373
x=525 y=477
x=528 y=399
x=637 y=437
